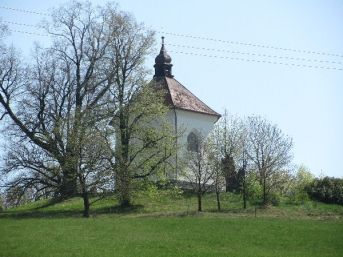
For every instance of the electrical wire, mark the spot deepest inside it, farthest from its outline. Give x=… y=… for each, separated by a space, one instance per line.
x=258 y=61
x=214 y=49
x=203 y=38
x=29 y=33
x=251 y=44
x=24 y=11
x=255 y=54
x=225 y=57
x=23 y=24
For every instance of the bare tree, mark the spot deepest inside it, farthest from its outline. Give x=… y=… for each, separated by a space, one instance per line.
x=242 y=174
x=71 y=85
x=219 y=179
x=94 y=172
x=30 y=168
x=228 y=133
x=199 y=171
x=270 y=152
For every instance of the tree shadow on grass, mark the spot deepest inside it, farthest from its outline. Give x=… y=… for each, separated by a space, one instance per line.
x=117 y=209
x=41 y=212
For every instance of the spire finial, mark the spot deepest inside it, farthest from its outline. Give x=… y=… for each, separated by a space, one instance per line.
x=162 y=40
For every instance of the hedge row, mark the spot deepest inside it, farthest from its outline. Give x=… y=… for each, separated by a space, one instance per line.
x=327 y=190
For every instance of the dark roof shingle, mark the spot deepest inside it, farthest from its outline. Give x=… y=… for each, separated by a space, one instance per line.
x=180 y=97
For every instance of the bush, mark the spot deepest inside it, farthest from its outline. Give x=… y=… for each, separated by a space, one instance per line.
x=174 y=192
x=254 y=192
x=157 y=193
x=296 y=191
x=327 y=190
x=274 y=199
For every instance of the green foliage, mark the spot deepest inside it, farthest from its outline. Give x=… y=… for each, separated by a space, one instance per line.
x=154 y=193
x=145 y=142
x=297 y=192
x=174 y=192
x=327 y=190
x=274 y=198
x=254 y=190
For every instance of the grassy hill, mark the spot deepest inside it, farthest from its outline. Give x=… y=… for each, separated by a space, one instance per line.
x=167 y=225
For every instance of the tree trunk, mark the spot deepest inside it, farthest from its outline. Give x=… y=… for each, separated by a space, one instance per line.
x=69 y=166
x=199 y=202
x=125 y=200
x=218 y=200
x=227 y=184
x=124 y=191
x=264 y=192
x=85 y=204
x=244 y=191
x=69 y=185
x=244 y=196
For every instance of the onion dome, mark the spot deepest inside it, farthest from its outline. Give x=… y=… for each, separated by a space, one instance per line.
x=163 y=64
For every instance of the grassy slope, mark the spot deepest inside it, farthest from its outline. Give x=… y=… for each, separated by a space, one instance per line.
x=159 y=226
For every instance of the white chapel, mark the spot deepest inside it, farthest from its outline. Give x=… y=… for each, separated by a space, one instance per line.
x=187 y=112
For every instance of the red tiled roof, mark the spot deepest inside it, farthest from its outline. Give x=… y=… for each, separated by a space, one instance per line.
x=180 y=97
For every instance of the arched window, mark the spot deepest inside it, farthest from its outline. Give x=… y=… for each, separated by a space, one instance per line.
x=192 y=142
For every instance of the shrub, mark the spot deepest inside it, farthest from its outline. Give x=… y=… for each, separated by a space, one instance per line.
x=274 y=199
x=174 y=192
x=327 y=190
x=297 y=192
x=254 y=192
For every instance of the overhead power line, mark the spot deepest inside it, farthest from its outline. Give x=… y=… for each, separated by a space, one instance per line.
x=194 y=47
x=225 y=57
x=258 y=61
x=205 y=38
x=23 y=24
x=251 y=44
x=255 y=54
x=24 y=11
x=214 y=49
x=29 y=33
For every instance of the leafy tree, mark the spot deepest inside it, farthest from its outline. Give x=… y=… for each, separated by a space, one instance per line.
x=270 y=153
x=298 y=184
x=144 y=139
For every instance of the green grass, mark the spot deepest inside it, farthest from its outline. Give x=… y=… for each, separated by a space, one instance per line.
x=170 y=236
x=161 y=225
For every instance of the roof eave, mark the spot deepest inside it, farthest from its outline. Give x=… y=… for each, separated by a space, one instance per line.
x=200 y=112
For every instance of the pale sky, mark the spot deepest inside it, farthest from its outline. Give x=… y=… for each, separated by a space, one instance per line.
x=306 y=103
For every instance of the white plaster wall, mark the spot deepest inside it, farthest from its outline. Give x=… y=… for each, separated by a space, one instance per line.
x=187 y=122
x=192 y=121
